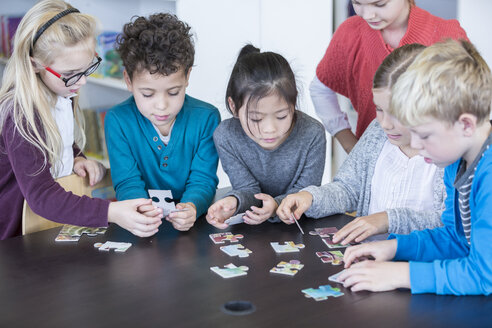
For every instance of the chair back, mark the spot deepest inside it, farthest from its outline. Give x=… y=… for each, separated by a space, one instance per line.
x=31 y=222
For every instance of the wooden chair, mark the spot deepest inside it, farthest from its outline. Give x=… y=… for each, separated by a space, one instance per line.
x=31 y=222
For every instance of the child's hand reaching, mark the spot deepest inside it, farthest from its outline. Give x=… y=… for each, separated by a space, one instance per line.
x=220 y=211
x=362 y=227
x=125 y=214
x=183 y=220
x=259 y=215
x=380 y=250
x=294 y=204
x=83 y=166
x=376 y=276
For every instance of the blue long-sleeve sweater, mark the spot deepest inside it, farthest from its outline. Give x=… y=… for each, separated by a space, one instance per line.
x=441 y=260
x=140 y=160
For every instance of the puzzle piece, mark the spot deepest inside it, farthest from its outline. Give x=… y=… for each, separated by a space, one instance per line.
x=288 y=247
x=322 y=293
x=324 y=232
x=333 y=257
x=334 y=277
x=289 y=268
x=236 y=219
x=219 y=238
x=328 y=242
x=164 y=199
x=236 y=250
x=118 y=247
x=230 y=271
x=73 y=233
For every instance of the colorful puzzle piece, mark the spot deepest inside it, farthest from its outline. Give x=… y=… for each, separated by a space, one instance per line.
x=230 y=271
x=328 y=242
x=236 y=219
x=289 y=268
x=219 y=238
x=118 y=247
x=322 y=293
x=324 y=232
x=333 y=257
x=73 y=233
x=334 y=277
x=288 y=247
x=236 y=250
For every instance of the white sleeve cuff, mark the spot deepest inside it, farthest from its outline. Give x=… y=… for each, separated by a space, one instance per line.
x=327 y=108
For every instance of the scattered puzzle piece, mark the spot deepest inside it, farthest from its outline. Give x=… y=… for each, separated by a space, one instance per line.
x=236 y=250
x=219 y=238
x=322 y=293
x=288 y=247
x=324 y=232
x=230 y=271
x=118 y=247
x=333 y=257
x=236 y=219
x=334 y=277
x=73 y=233
x=289 y=268
x=328 y=242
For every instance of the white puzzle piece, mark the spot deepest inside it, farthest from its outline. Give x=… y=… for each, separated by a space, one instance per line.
x=236 y=219
x=334 y=277
x=230 y=271
x=236 y=250
x=159 y=199
x=118 y=247
x=288 y=247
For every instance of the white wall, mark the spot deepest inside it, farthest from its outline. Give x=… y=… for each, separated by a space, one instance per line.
x=299 y=30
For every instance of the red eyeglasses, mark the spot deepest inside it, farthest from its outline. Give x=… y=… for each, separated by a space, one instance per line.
x=69 y=81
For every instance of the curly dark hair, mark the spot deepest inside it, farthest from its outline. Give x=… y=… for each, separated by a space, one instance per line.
x=160 y=44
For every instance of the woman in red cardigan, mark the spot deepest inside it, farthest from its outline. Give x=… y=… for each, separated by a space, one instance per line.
x=356 y=50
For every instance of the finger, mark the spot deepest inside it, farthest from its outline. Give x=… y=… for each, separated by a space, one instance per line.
x=253 y=217
x=342 y=233
x=146 y=208
x=353 y=235
x=144 y=234
x=258 y=210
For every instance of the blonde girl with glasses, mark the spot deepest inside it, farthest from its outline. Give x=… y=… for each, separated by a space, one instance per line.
x=41 y=126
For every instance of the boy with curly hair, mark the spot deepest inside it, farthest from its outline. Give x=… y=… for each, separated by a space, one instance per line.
x=161 y=138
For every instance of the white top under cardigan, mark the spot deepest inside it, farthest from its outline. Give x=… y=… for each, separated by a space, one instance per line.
x=63 y=114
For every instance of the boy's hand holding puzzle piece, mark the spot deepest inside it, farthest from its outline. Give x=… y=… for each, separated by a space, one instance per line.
x=182 y=216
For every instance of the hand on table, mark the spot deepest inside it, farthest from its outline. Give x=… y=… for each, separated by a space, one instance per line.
x=259 y=215
x=183 y=220
x=126 y=214
x=362 y=228
x=220 y=211
x=294 y=205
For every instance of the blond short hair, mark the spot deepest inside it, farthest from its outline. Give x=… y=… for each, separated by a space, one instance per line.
x=446 y=80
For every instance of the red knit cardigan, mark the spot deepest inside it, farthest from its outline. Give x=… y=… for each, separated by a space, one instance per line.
x=356 y=51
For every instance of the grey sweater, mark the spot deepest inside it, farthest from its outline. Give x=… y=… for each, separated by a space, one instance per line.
x=297 y=163
x=351 y=188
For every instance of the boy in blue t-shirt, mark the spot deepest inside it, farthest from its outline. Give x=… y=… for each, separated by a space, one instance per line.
x=161 y=138
x=445 y=97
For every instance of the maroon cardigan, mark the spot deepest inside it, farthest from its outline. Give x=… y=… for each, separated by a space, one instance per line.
x=21 y=178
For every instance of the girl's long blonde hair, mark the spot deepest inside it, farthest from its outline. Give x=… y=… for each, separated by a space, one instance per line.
x=23 y=94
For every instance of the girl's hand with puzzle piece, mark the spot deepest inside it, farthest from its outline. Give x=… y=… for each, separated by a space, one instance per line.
x=259 y=215
x=362 y=228
x=125 y=214
x=376 y=276
x=184 y=218
x=220 y=211
x=83 y=166
x=294 y=204
x=150 y=210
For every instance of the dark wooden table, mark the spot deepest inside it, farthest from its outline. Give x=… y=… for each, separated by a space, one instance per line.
x=165 y=281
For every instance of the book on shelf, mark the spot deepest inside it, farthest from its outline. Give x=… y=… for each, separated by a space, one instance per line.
x=8 y=26
x=95 y=145
x=111 y=65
